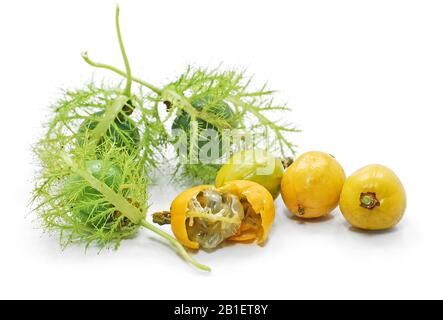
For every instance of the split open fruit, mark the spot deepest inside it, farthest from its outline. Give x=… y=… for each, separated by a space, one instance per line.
x=205 y=216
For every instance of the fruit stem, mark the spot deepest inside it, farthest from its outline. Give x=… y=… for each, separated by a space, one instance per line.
x=177 y=245
x=120 y=72
x=127 y=91
x=368 y=200
x=182 y=101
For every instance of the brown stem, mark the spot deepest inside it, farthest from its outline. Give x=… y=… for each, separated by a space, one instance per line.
x=162 y=218
x=286 y=162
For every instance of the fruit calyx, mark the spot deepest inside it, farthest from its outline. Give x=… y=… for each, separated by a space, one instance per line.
x=301 y=211
x=368 y=200
x=162 y=218
x=286 y=162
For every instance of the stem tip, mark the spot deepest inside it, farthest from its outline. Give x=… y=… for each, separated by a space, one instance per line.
x=368 y=200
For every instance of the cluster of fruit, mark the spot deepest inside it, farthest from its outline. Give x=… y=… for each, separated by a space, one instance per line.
x=373 y=198
x=240 y=207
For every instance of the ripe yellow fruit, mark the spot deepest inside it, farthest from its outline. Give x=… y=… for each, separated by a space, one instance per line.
x=239 y=211
x=311 y=186
x=373 y=198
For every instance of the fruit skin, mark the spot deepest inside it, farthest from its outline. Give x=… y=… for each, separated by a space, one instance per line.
x=178 y=215
x=311 y=186
x=257 y=196
x=247 y=164
x=261 y=201
x=388 y=190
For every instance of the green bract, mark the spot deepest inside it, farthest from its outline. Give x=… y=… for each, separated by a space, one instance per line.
x=84 y=201
x=95 y=157
x=219 y=109
x=253 y=165
x=122 y=131
x=250 y=110
x=206 y=132
x=88 y=204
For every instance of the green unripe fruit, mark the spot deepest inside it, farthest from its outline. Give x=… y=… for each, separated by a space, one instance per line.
x=220 y=109
x=88 y=205
x=123 y=132
x=254 y=165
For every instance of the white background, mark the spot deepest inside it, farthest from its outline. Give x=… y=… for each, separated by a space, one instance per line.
x=365 y=80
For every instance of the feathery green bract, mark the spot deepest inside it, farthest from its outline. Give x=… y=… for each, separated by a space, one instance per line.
x=66 y=199
x=252 y=111
x=92 y=185
x=249 y=116
x=95 y=157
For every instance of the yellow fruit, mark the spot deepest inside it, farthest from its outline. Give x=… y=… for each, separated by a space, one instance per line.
x=311 y=186
x=373 y=198
x=239 y=211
